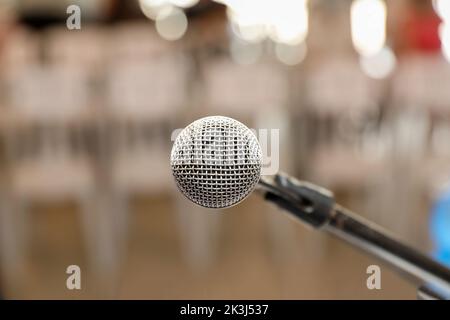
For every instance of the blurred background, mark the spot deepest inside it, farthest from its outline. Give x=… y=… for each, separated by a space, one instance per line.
x=360 y=93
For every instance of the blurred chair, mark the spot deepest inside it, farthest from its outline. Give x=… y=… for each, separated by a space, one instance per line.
x=349 y=154
x=338 y=87
x=340 y=97
x=437 y=161
x=47 y=153
x=145 y=92
x=242 y=91
x=20 y=50
x=420 y=101
x=258 y=96
x=87 y=49
x=134 y=41
x=144 y=102
x=420 y=83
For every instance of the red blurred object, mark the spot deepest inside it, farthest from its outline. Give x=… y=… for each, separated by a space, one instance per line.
x=421 y=30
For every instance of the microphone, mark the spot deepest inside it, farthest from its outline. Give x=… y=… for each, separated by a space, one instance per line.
x=216 y=162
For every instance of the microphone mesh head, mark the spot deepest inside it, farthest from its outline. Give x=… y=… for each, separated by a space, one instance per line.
x=216 y=161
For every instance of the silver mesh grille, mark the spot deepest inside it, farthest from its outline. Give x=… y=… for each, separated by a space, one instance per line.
x=216 y=161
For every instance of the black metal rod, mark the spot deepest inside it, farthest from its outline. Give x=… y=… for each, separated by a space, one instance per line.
x=315 y=206
x=371 y=238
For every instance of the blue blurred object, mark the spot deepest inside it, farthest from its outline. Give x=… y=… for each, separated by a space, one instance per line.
x=440 y=227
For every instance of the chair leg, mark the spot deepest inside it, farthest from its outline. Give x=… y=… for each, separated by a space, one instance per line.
x=282 y=235
x=13 y=231
x=198 y=230
x=104 y=230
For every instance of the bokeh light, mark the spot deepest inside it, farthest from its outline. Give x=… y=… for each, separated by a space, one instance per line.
x=379 y=65
x=368 y=26
x=442 y=8
x=444 y=34
x=290 y=55
x=284 y=21
x=289 y=24
x=171 y=23
x=184 y=3
x=151 y=8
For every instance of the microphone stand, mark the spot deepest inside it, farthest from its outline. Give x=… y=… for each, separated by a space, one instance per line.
x=316 y=207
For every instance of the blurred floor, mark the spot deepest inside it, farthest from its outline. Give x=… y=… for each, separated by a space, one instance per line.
x=246 y=264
